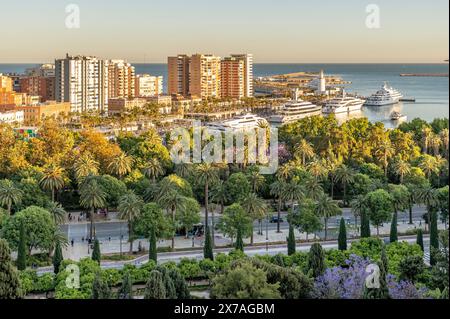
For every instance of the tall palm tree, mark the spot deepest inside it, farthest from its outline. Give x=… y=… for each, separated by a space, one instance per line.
x=286 y=171
x=183 y=169
x=427 y=132
x=317 y=169
x=359 y=207
x=445 y=140
x=313 y=189
x=256 y=209
x=52 y=180
x=173 y=201
x=292 y=193
x=402 y=168
x=326 y=208
x=206 y=175
x=153 y=169
x=429 y=165
x=92 y=197
x=304 y=150
x=84 y=166
x=383 y=152
x=58 y=212
x=435 y=144
x=429 y=197
x=130 y=206
x=9 y=194
x=256 y=180
x=219 y=196
x=121 y=165
x=345 y=176
x=277 y=189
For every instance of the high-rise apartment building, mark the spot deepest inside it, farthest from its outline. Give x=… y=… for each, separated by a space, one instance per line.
x=232 y=78
x=6 y=83
x=82 y=81
x=178 y=75
x=248 y=73
x=121 y=79
x=147 y=85
x=204 y=76
x=38 y=85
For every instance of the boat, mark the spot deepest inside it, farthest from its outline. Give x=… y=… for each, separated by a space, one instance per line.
x=247 y=121
x=343 y=104
x=295 y=110
x=386 y=96
x=397 y=116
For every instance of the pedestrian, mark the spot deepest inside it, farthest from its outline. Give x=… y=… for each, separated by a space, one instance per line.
x=193 y=241
x=109 y=238
x=72 y=242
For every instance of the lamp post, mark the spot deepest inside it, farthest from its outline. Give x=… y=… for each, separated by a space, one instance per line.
x=121 y=237
x=267 y=233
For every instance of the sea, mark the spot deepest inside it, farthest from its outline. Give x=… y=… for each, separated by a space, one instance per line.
x=431 y=93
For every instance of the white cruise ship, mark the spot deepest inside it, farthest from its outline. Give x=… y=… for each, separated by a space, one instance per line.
x=247 y=121
x=386 y=96
x=343 y=104
x=295 y=110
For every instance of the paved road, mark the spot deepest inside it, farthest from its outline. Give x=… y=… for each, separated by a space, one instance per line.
x=116 y=229
x=249 y=251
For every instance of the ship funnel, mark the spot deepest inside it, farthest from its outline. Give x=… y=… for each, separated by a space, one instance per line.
x=295 y=94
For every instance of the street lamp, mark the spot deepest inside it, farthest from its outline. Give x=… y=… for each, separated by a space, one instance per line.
x=267 y=233
x=121 y=237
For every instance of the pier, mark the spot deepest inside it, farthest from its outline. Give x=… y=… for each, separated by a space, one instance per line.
x=425 y=74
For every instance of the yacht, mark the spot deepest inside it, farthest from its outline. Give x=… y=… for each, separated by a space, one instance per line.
x=386 y=96
x=397 y=116
x=343 y=104
x=295 y=110
x=247 y=121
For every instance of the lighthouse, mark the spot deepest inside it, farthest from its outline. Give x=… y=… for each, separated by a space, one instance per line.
x=322 y=85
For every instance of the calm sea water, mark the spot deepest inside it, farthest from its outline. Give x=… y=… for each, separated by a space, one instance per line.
x=431 y=93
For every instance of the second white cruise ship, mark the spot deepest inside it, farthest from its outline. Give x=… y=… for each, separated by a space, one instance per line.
x=247 y=121
x=386 y=96
x=343 y=104
x=295 y=110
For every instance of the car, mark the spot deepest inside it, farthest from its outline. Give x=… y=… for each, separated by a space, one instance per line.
x=274 y=219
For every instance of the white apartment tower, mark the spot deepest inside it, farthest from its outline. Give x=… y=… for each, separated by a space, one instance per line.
x=148 y=85
x=82 y=81
x=248 y=72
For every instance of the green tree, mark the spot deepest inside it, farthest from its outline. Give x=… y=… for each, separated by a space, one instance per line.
x=121 y=165
x=345 y=176
x=190 y=215
x=84 y=166
x=277 y=189
x=239 y=245
x=411 y=267
x=255 y=208
x=58 y=212
x=130 y=206
x=181 y=287
x=92 y=197
x=306 y=221
x=171 y=292
x=206 y=175
x=365 y=225
x=52 y=179
x=100 y=288
x=291 y=241
x=393 y=236
x=153 y=218
x=96 y=255
x=155 y=287
x=326 y=208
x=208 y=249
x=22 y=250
x=379 y=205
x=9 y=283
x=153 y=169
x=244 y=282
x=428 y=196
x=126 y=289
x=316 y=260
x=342 y=239
x=237 y=187
x=434 y=237
x=419 y=240
x=235 y=218
x=153 y=250
x=9 y=194
x=173 y=201
x=57 y=258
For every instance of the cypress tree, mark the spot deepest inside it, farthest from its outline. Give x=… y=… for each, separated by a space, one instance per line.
x=181 y=287
x=365 y=225
x=207 y=248
x=291 y=241
x=96 y=255
x=316 y=260
x=419 y=240
x=153 y=250
x=22 y=249
x=57 y=258
x=100 y=289
x=171 y=292
x=126 y=289
x=155 y=288
x=434 y=237
x=9 y=283
x=239 y=245
x=393 y=235
x=342 y=239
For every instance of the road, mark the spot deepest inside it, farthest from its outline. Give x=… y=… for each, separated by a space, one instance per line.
x=116 y=229
x=249 y=251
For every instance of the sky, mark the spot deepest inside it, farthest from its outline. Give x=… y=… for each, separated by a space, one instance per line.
x=274 y=31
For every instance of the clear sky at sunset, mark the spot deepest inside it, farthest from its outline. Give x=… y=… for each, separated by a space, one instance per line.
x=273 y=30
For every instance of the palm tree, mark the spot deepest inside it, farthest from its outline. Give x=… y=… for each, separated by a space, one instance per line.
x=256 y=180
x=183 y=169
x=427 y=132
x=325 y=208
x=345 y=176
x=429 y=165
x=317 y=169
x=153 y=169
x=206 y=174
x=130 y=206
x=292 y=193
x=445 y=141
x=359 y=207
x=121 y=165
x=435 y=144
x=58 y=212
x=219 y=196
x=277 y=189
x=173 y=201
x=383 y=152
x=304 y=150
x=402 y=168
x=429 y=197
x=92 y=197
x=286 y=171
x=52 y=180
x=84 y=166
x=9 y=194
x=255 y=207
